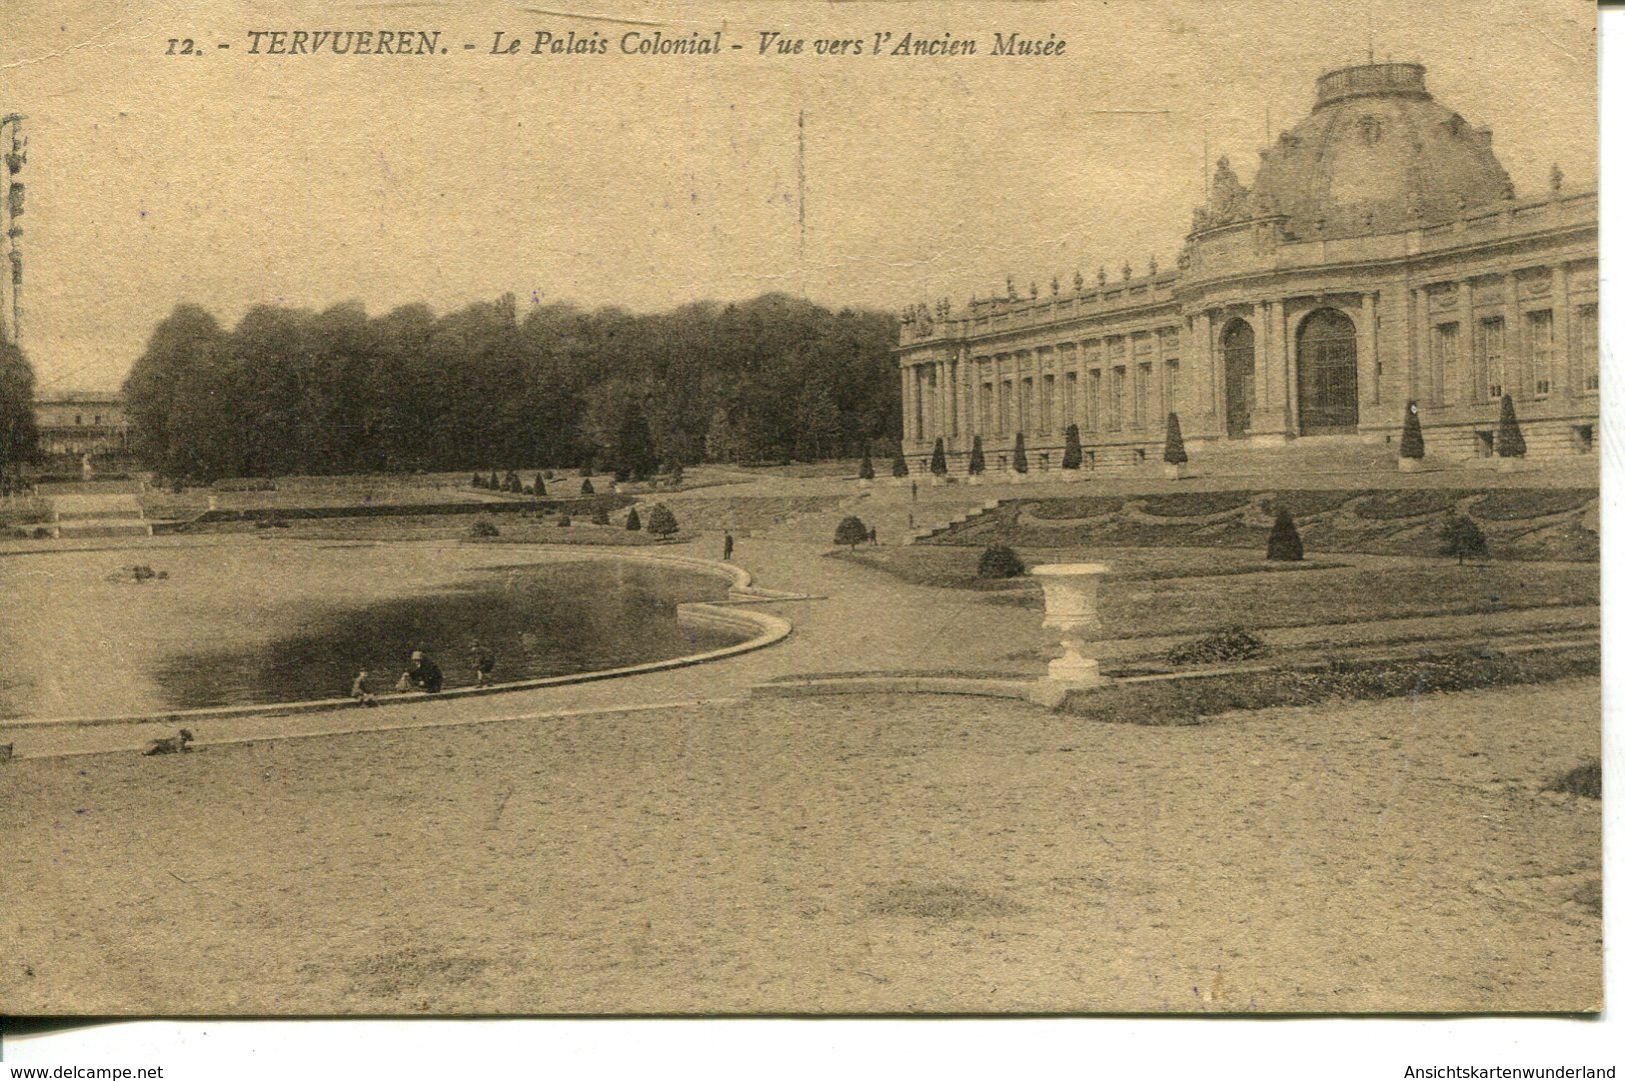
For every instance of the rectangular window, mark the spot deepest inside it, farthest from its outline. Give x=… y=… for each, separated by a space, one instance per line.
x=1092 y=401
x=1142 y=394
x=1026 y=405
x=1114 y=400
x=1587 y=333
x=987 y=408
x=1446 y=362
x=1172 y=368
x=1004 y=406
x=1046 y=404
x=1069 y=398
x=1491 y=358
x=1537 y=336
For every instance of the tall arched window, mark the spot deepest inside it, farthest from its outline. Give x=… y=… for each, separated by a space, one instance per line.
x=1328 y=388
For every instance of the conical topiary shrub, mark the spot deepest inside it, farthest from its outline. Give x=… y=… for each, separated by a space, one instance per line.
x=866 y=468
x=633 y=522
x=978 y=462
x=478 y=481
x=1173 y=447
x=495 y=485
x=1508 y=436
x=899 y=465
x=1021 y=452
x=1284 y=543
x=586 y=487
x=1463 y=538
x=1072 y=456
x=1410 y=440
x=851 y=532
x=539 y=487
x=939 y=459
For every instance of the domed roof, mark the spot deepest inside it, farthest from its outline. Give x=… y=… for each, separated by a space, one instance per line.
x=1376 y=154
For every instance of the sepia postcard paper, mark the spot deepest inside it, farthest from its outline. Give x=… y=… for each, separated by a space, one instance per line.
x=828 y=508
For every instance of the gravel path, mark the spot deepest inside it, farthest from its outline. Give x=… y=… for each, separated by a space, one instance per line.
x=865 y=854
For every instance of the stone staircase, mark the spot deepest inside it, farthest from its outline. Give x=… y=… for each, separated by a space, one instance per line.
x=98 y=515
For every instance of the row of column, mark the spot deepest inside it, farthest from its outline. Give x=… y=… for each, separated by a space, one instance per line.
x=1437 y=378
x=943 y=397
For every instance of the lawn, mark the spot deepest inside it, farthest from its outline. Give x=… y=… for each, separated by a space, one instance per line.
x=1220 y=587
x=955 y=568
x=1519 y=523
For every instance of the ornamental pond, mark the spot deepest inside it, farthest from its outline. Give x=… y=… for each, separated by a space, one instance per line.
x=243 y=620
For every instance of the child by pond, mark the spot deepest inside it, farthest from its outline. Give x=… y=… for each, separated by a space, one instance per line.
x=483 y=661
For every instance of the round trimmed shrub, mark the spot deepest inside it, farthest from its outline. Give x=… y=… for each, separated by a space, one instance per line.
x=851 y=532
x=564 y=521
x=1000 y=561
x=483 y=528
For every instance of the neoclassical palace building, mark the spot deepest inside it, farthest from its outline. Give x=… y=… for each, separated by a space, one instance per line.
x=1381 y=257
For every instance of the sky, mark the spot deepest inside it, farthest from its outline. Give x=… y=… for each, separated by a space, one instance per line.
x=228 y=180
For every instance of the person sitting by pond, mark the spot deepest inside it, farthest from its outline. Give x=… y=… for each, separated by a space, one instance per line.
x=360 y=692
x=423 y=674
x=484 y=661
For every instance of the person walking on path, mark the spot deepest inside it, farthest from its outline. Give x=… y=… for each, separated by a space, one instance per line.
x=914 y=490
x=872 y=541
x=727 y=546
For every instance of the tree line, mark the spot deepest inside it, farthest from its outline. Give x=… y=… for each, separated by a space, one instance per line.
x=337 y=391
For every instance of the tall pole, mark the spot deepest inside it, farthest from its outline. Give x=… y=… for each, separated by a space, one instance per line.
x=16 y=156
x=801 y=198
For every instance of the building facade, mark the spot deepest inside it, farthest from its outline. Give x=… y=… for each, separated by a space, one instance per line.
x=1381 y=257
x=74 y=424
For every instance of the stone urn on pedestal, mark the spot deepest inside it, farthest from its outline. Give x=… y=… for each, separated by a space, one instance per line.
x=1070 y=606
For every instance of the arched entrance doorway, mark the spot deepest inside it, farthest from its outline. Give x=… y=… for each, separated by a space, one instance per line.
x=1328 y=388
x=1237 y=343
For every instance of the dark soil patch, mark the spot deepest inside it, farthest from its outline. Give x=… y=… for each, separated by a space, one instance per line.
x=1584 y=780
